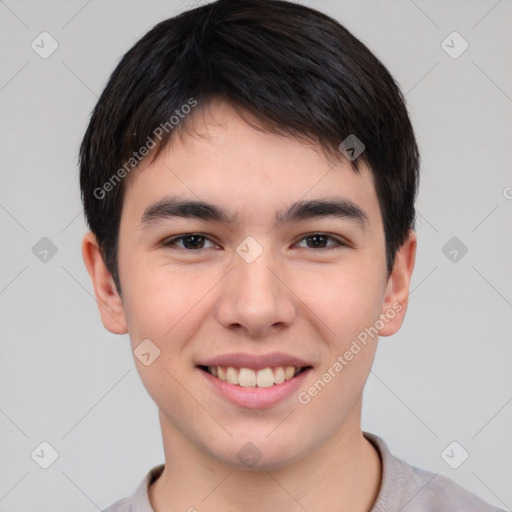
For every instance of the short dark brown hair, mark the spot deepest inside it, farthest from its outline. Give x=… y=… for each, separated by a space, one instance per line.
x=291 y=67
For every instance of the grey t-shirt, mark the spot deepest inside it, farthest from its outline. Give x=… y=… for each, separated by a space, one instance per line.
x=404 y=488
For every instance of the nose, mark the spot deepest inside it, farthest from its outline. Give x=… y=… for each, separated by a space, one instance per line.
x=255 y=297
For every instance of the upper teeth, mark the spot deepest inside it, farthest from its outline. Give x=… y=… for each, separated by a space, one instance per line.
x=247 y=377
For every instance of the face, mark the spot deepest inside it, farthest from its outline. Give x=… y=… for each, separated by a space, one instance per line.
x=262 y=286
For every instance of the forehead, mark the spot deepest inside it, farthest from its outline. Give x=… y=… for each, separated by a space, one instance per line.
x=220 y=158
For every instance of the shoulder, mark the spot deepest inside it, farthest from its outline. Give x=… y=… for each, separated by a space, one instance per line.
x=411 y=489
x=139 y=500
x=123 y=505
x=432 y=491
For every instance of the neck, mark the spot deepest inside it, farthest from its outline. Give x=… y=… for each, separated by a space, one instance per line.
x=344 y=474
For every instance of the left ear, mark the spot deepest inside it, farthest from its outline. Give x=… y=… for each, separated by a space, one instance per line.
x=396 y=296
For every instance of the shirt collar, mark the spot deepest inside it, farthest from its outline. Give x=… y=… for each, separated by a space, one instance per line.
x=388 y=498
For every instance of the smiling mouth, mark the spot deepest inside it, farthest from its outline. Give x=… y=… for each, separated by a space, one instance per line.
x=249 y=378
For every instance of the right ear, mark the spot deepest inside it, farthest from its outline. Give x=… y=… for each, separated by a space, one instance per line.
x=107 y=297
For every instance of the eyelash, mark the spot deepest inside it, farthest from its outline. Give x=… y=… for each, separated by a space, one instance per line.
x=339 y=243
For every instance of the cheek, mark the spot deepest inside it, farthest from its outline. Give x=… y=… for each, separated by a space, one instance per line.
x=154 y=299
x=350 y=306
x=165 y=304
x=347 y=300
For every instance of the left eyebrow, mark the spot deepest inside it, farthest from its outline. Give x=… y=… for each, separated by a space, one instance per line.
x=315 y=208
x=171 y=207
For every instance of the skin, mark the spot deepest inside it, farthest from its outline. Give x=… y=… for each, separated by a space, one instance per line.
x=294 y=298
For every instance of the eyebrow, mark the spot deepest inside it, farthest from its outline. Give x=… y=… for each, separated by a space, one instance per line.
x=173 y=207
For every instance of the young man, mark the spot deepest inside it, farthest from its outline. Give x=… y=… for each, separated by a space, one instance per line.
x=249 y=176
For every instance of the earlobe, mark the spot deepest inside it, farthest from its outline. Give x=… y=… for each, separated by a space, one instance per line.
x=107 y=297
x=396 y=296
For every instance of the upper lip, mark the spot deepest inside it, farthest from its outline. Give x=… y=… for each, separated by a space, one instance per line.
x=255 y=362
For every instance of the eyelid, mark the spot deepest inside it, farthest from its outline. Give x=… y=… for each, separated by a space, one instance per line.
x=339 y=241
x=169 y=242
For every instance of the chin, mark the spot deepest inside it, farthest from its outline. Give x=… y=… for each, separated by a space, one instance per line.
x=259 y=453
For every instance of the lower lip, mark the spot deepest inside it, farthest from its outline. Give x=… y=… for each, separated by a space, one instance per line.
x=254 y=397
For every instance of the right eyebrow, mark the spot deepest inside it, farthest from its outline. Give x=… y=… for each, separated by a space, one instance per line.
x=170 y=207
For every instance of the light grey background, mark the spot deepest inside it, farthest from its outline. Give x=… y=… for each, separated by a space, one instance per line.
x=446 y=376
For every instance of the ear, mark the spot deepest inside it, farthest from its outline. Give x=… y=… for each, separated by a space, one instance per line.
x=396 y=296
x=107 y=297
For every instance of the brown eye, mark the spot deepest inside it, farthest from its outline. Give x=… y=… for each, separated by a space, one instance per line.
x=319 y=241
x=190 y=241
